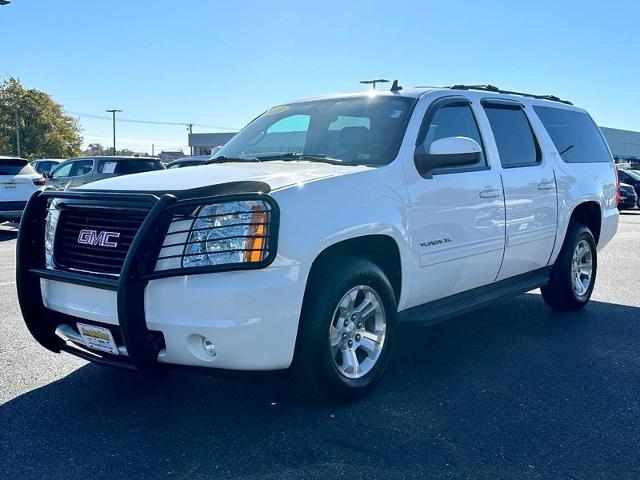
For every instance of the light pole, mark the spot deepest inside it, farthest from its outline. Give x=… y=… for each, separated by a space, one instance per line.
x=17 y=134
x=190 y=129
x=113 y=112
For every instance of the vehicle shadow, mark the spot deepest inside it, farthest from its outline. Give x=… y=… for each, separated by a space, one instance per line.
x=8 y=231
x=511 y=391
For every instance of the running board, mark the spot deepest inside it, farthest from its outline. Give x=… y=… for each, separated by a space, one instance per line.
x=464 y=302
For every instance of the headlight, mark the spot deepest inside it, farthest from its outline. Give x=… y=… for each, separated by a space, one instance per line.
x=53 y=214
x=220 y=234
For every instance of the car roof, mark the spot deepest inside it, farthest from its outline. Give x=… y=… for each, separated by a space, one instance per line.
x=9 y=157
x=474 y=92
x=114 y=157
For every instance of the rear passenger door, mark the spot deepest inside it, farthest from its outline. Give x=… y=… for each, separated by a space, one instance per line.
x=529 y=188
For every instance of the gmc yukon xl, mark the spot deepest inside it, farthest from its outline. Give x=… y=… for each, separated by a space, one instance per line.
x=318 y=229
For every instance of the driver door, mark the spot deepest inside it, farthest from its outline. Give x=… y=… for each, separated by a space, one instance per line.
x=457 y=214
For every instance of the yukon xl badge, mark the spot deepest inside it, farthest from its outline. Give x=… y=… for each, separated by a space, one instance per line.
x=95 y=238
x=438 y=241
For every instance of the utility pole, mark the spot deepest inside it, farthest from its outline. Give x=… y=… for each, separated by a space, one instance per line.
x=374 y=82
x=190 y=128
x=153 y=149
x=17 y=134
x=113 y=112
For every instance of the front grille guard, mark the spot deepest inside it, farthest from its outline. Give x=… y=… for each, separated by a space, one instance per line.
x=141 y=344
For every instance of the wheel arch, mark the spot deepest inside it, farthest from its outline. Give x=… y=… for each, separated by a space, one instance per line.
x=589 y=213
x=380 y=248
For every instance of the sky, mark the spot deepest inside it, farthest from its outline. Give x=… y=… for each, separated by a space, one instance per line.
x=220 y=63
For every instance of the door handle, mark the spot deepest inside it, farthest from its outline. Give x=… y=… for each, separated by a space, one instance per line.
x=544 y=185
x=490 y=193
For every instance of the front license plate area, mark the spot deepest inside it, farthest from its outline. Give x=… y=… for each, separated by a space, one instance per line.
x=98 y=338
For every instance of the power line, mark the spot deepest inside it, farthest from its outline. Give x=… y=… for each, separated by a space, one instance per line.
x=151 y=122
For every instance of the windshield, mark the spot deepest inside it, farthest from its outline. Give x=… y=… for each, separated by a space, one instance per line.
x=353 y=131
x=15 y=167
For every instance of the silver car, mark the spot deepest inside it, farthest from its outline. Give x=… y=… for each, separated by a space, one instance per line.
x=79 y=171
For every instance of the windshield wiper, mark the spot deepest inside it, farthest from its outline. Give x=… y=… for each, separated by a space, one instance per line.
x=223 y=159
x=566 y=150
x=302 y=157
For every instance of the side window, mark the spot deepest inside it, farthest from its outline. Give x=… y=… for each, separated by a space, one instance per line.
x=453 y=120
x=516 y=144
x=81 y=167
x=574 y=134
x=63 y=170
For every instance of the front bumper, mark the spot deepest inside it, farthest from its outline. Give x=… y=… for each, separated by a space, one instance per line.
x=251 y=316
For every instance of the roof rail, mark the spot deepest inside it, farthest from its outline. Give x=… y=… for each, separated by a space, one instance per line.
x=494 y=89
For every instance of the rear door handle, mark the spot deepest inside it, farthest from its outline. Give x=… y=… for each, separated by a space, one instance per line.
x=490 y=193
x=544 y=185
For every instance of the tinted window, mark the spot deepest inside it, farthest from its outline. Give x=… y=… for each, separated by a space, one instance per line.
x=81 y=167
x=44 y=167
x=514 y=138
x=15 y=167
x=125 y=167
x=455 y=120
x=574 y=134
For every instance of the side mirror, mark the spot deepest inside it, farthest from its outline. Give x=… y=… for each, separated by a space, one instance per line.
x=447 y=152
x=46 y=174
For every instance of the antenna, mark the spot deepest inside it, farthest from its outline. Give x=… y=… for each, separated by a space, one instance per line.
x=395 y=87
x=373 y=82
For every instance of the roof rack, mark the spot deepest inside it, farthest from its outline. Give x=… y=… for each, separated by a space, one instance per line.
x=494 y=89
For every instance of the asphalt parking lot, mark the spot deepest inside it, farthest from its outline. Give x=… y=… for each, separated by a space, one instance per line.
x=513 y=391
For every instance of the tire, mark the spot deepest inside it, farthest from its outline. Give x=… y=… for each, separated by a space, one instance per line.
x=565 y=292
x=325 y=361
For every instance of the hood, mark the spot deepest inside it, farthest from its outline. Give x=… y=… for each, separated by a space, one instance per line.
x=276 y=174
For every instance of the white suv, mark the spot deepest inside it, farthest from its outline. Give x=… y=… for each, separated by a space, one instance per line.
x=318 y=229
x=18 y=181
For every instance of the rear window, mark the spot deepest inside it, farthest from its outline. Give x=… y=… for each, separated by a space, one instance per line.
x=15 y=167
x=575 y=135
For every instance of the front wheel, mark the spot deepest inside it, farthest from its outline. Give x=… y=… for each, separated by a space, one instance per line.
x=346 y=330
x=574 y=273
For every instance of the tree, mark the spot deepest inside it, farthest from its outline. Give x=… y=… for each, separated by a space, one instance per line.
x=94 y=149
x=45 y=130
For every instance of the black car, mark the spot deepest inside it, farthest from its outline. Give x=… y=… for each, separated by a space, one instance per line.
x=628 y=197
x=630 y=177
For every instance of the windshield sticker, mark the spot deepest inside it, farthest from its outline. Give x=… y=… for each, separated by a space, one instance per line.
x=109 y=167
x=276 y=110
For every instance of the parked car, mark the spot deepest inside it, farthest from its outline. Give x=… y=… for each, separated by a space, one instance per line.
x=188 y=162
x=46 y=165
x=630 y=177
x=18 y=180
x=318 y=229
x=628 y=197
x=79 y=171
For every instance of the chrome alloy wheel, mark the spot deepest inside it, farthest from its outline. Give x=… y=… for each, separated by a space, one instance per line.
x=357 y=332
x=582 y=268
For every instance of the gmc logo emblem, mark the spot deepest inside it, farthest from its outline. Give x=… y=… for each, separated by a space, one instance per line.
x=101 y=239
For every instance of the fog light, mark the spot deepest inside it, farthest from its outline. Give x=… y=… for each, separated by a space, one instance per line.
x=209 y=347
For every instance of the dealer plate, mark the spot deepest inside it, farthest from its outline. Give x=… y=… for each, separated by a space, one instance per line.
x=98 y=338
